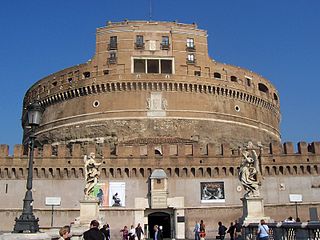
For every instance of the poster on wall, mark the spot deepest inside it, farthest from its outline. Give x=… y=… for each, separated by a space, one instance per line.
x=117 y=193
x=101 y=192
x=212 y=192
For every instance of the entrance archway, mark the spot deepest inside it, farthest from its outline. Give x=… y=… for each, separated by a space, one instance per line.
x=161 y=219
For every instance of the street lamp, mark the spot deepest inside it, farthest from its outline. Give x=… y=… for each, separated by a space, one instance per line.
x=27 y=221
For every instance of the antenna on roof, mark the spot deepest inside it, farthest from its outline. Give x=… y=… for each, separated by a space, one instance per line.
x=150 y=10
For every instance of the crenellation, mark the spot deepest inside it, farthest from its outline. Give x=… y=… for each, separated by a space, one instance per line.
x=151 y=151
x=226 y=150
x=196 y=150
x=106 y=150
x=303 y=148
x=90 y=148
x=181 y=150
x=166 y=150
x=18 y=150
x=275 y=148
x=288 y=148
x=315 y=147
x=76 y=150
x=4 y=150
x=46 y=151
x=211 y=148
x=62 y=151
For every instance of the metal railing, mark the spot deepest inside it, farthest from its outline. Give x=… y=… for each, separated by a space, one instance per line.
x=286 y=231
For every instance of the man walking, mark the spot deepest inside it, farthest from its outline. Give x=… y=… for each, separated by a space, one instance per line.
x=93 y=233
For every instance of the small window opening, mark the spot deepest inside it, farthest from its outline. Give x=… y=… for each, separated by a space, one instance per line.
x=158 y=181
x=190 y=58
x=165 y=43
x=190 y=43
x=217 y=75
x=234 y=79
x=275 y=97
x=106 y=72
x=54 y=84
x=139 y=42
x=86 y=74
x=70 y=80
x=113 y=45
x=197 y=73
x=263 y=88
x=113 y=58
x=248 y=80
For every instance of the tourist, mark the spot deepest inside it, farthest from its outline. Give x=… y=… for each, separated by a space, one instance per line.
x=106 y=231
x=202 y=233
x=132 y=233
x=231 y=231
x=125 y=233
x=221 y=230
x=93 y=233
x=64 y=233
x=139 y=231
x=238 y=228
x=196 y=231
x=289 y=220
x=263 y=231
x=157 y=233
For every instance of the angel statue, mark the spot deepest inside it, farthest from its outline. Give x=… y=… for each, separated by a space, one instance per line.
x=92 y=174
x=249 y=174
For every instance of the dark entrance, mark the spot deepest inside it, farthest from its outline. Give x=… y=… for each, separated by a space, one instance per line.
x=160 y=219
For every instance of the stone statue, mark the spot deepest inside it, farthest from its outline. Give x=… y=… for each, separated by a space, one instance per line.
x=92 y=174
x=249 y=173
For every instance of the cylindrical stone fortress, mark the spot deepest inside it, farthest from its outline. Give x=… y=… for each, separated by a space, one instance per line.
x=155 y=79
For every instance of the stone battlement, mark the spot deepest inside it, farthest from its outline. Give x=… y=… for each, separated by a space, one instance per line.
x=165 y=150
x=190 y=160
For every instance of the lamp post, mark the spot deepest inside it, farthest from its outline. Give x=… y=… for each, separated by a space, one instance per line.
x=27 y=221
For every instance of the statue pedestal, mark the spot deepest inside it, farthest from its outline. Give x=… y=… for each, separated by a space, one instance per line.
x=253 y=210
x=89 y=210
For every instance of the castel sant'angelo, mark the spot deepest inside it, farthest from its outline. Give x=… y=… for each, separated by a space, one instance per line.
x=167 y=123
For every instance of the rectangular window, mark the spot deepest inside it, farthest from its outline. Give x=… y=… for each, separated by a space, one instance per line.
x=139 y=66
x=248 y=80
x=113 y=57
x=197 y=73
x=113 y=43
x=165 y=43
x=166 y=66
x=139 y=42
x=190 y=43
x=153 y=66
x=190 y=58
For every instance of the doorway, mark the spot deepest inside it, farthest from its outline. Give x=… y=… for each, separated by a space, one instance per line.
x=160 y=219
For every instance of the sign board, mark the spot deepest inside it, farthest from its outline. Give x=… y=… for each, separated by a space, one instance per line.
x=53 y=201
x=295 y=197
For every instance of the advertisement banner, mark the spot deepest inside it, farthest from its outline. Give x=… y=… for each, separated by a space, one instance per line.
x=117 y=193
x=101 y=192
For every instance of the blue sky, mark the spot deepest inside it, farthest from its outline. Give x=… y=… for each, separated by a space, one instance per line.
x=277 y=39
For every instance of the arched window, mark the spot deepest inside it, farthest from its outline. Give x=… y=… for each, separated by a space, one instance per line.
x=263 y=88
x=217 y=75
